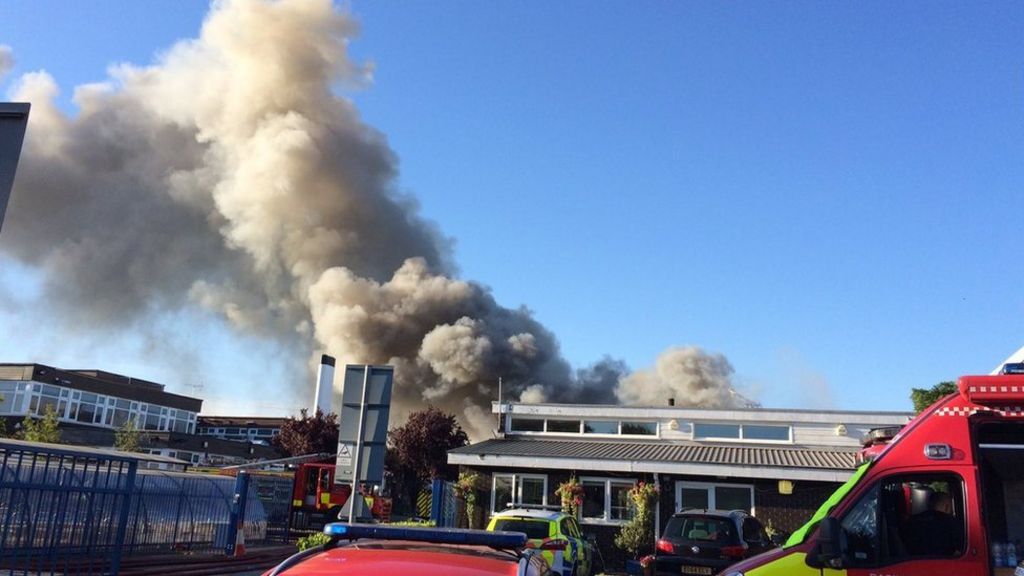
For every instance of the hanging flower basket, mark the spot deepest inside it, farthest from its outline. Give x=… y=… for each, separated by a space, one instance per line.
x=571 y=493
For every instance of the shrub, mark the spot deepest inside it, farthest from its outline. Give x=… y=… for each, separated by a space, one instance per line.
x=466 y=487
x=637 y=537
x=315 y=539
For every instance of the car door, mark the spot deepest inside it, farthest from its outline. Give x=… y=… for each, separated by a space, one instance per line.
x=755 y=537
x=882 y=535
x=584 y=551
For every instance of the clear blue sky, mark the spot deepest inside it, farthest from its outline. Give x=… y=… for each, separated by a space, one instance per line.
x=824 y=192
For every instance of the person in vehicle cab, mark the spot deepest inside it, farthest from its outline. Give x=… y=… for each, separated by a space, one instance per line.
x=936 y=531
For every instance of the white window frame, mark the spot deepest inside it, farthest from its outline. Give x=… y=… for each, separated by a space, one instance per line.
x=517 y=488
x=741 y=438
x=607 y=516
x=710 y=488
x=583 y=422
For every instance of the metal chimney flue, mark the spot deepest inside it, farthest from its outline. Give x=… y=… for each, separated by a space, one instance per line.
x=324 y=385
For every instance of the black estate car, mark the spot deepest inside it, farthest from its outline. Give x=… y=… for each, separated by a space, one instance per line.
x=704 y=542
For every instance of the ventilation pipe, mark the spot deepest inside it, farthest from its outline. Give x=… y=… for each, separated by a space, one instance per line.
x=324 y=385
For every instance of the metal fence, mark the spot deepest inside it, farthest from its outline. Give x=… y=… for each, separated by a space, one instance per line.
x=273 y=495
x=61 y=510
x=443 y=505
x=75 y=511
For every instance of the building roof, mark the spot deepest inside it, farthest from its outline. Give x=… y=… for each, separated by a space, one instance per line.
x=680 y=457
x=744 y=414
x=87 y=452
x=100 y=382
x=241 y=421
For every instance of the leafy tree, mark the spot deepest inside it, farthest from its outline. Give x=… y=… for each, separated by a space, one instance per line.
x=925 y=397
x=422 y=444
x=417 y=452
x=126 y=438
x=44 y=429
x=308 y=434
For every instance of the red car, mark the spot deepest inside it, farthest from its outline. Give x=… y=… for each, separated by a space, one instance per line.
x=376 y=550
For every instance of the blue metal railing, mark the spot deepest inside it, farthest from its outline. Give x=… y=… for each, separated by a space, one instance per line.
x=62 y=510
x=76 y=511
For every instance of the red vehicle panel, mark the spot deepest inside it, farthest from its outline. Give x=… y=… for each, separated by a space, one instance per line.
x=398 y=559
x=942 y=497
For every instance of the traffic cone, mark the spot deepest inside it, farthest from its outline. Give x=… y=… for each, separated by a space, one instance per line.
x=240 y=541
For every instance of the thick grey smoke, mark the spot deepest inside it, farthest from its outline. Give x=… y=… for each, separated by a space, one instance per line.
x=230 y=175
x=687 y=374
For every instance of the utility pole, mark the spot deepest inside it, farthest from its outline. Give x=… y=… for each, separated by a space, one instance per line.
x=500 y=414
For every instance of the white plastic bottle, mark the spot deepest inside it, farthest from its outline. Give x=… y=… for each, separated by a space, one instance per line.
x=997 y=555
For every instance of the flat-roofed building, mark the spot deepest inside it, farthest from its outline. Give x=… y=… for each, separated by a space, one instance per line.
x=91 y=405
x=778 y=464
x=240 y=428
x=94 y=398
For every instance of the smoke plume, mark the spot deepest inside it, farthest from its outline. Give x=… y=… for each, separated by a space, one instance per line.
x=688 y=374
x=230 y=175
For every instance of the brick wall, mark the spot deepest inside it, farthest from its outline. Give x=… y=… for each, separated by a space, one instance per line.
x=785 y=512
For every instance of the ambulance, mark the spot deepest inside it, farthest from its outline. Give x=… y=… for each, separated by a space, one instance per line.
x=944 y=496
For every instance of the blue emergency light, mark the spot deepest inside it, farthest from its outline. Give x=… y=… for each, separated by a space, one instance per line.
x=342 y=530
x=1013 y=368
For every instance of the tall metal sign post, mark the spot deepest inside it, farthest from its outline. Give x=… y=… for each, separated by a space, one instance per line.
x=13 y=119
x=363 y=433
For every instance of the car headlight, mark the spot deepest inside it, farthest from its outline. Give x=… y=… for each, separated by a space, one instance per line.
x=734 y=573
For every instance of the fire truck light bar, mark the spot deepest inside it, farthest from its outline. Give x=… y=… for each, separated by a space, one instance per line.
x=345 y=531
x=1014 y=368
x=1003 y=390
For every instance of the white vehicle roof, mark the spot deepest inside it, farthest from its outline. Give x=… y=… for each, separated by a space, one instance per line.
x=529 y=513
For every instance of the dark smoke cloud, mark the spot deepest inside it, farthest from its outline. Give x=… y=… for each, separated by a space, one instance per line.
x=228 y=175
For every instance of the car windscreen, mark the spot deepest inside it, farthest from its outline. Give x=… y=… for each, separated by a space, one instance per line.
x=701 y=529
x=533 y=529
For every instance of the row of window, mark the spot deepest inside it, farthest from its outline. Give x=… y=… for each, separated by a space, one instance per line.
x=759 y=432
x=33 y=399
x=235 y=432
x=606 y=500
x=701 y=430
x=578 y=426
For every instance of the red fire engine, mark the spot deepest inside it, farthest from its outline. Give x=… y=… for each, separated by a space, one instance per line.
x=316 y=498
x=944 y=495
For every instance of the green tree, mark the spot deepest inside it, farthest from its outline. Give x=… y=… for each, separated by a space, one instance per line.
x=418 y=451
x=925 y=397
x=308 y=434
x=126 y=438
x=45 y=429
